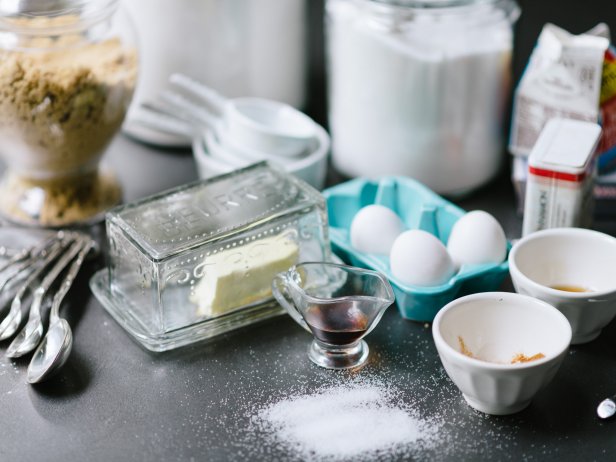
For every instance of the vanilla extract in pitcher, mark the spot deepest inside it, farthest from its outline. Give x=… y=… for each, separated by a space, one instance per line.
x=337 y=323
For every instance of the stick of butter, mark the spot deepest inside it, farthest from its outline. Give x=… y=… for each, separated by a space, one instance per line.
x=243 y=275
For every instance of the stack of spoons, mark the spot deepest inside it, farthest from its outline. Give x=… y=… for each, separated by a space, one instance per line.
x=29 y=276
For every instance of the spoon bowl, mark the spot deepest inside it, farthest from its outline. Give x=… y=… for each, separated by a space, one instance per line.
x=52 y=353
x=27 y=339
x=11 y=322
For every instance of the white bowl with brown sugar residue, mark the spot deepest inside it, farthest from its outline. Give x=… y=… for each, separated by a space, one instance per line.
x=500 y=348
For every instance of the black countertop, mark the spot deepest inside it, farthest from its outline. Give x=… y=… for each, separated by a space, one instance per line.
x=116 y=401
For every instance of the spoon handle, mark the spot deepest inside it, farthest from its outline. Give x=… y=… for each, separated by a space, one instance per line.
x=29 y=252
x=35 y=307
x=51 y=276
x=69 y=278
x=49 y=256
x=19 y=256
x=33 y=254
x=212 y=97
x=10 y=322
x=199 y=114
x=150 y=117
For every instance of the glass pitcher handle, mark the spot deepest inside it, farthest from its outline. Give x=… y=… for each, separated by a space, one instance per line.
x=279 y=289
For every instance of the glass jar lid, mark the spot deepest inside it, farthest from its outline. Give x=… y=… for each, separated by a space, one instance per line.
x=44 y=17
x=454 y=13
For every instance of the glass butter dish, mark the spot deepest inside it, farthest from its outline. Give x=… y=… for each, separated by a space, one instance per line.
x=198 y=260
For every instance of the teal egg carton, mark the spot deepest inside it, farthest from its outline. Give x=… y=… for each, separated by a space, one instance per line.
x=419 y=208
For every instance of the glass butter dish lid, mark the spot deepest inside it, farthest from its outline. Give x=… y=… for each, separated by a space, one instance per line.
x=198 y=260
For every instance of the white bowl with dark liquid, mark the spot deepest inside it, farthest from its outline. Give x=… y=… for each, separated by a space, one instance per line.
x=573 y=270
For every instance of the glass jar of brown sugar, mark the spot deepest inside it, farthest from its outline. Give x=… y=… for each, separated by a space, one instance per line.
x=68 y=70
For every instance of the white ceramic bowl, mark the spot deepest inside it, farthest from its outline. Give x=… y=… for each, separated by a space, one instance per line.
x=494 y=328
x=572 y=257
x=312 y=168
x=219 y=152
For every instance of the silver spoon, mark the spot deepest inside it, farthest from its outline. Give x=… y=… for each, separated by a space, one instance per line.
x=32 y=267
x=11 y=322
x=26 y=258
x=28 y=253
x=606 y=408
x=31 y=334
x=55 y=348
x=19 y=256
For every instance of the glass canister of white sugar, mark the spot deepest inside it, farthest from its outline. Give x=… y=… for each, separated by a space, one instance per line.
x=420 y=88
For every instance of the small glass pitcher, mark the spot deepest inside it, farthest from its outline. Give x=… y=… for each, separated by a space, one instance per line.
x=338 y=304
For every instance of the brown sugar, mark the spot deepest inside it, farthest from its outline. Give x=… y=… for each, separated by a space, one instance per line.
x=517 y=358
x=522 y=358
x=61 y=103
x=463 y=349
x=62 y=201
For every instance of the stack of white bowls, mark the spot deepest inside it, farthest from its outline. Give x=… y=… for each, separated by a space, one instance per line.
x=229 y=146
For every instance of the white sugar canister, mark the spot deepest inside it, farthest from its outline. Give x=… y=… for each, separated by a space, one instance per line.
x=238 y=47
x=420 y=88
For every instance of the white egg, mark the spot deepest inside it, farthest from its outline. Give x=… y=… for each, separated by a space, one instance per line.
x=374 y=229
x=418 y=258
x=477 y=238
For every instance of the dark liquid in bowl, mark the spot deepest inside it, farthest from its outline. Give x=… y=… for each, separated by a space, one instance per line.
x=337 y=323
